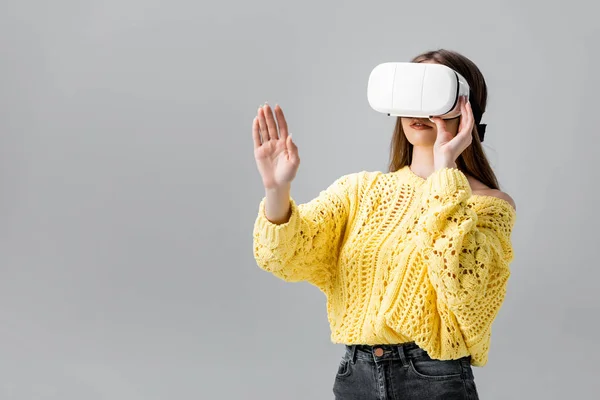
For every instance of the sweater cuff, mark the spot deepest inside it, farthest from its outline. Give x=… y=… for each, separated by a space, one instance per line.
x=448 y=182
x=271 y=235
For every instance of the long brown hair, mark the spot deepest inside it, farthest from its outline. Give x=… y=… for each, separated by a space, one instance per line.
x=472 y=161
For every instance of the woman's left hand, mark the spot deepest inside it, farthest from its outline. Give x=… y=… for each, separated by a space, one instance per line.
x=448 y=147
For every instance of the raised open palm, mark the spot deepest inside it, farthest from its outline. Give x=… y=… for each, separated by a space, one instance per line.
x=275 y=153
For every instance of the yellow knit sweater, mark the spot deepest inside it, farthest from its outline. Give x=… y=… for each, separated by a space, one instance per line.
x=400 y=258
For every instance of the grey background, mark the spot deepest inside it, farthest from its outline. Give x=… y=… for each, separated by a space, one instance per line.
x=129 y=188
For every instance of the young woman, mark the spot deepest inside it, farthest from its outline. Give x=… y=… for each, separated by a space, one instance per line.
x=414 y=262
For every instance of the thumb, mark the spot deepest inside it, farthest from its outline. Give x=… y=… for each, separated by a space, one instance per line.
x=292 y=148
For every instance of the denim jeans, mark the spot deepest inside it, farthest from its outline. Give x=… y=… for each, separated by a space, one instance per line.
x=401 y=372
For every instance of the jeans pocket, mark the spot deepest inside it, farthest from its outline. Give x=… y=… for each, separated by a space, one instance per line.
x=428 y=368
x=345 y=367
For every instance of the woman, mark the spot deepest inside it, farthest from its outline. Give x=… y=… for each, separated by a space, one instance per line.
x=414 y=262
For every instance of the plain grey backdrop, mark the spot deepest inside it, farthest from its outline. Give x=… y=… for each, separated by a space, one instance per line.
x=129 y=189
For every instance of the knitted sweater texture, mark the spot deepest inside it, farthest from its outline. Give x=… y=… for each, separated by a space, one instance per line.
x=399 y=258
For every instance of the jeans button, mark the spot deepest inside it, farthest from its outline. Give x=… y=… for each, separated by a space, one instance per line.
x=378 y=351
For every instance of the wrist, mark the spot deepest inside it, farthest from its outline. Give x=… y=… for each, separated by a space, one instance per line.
x=445 y=164
x=278 y=190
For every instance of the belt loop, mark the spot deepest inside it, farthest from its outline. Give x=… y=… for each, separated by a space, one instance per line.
x=352 y=353
x=402 y=354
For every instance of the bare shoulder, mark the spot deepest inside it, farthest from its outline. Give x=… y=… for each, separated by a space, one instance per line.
x=501 y=195
x=479 y=188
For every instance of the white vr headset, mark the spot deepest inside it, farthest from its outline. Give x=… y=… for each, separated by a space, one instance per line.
x=419 y=90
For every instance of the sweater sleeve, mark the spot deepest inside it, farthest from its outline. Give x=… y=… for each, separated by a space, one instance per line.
x=306 y=247
x=465 y=240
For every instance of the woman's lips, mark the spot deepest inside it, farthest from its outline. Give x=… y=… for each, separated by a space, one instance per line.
x=420 y=126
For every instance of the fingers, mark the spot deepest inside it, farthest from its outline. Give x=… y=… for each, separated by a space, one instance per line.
x=271 y=126
x=439 y=122
x=266 y=127
x=263 y=125
x=256 y=133
x=463 y=115
x=283 y=128
x=470 y=114
x=467 y=119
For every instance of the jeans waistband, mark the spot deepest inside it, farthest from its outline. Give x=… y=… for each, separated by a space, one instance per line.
x=387 y=352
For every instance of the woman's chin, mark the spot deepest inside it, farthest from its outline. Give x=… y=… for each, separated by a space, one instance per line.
x=421 y=138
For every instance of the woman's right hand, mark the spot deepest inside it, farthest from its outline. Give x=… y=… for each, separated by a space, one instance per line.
x=275 y=153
